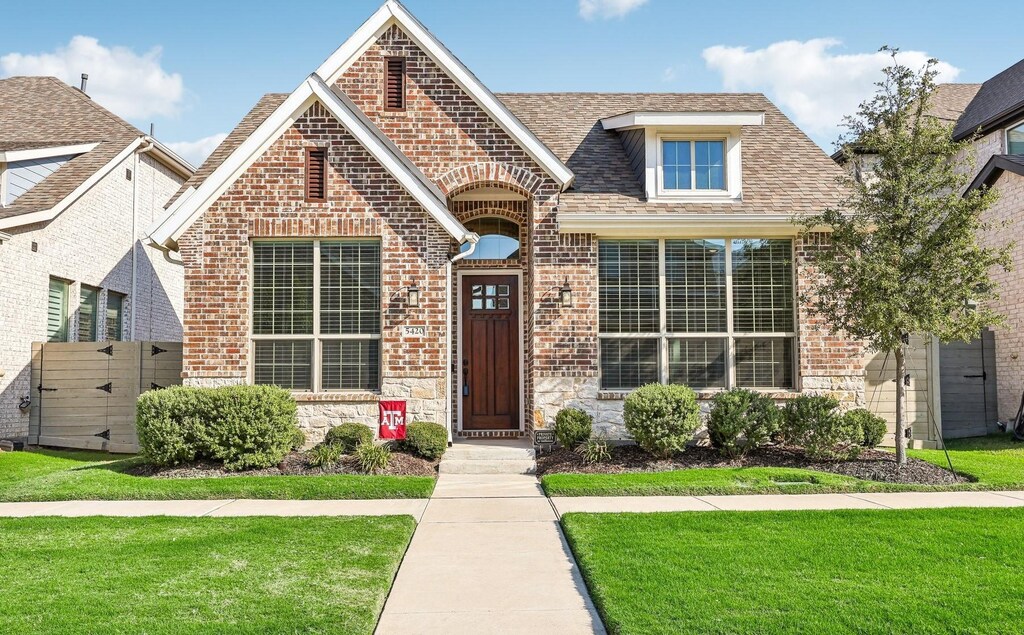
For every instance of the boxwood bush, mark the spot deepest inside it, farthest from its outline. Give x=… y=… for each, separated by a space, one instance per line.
x=872 y=426
x=349 y=435
x=662 y=418
x=426 y=439
x=572 y=427
x=741 y=413
x=814 y=422
x=241 y=427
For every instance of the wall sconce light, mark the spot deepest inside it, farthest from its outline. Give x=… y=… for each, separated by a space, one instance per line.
x=565 y=293
x=413 y=296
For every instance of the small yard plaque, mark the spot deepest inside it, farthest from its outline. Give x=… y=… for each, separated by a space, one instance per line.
x=543 y=437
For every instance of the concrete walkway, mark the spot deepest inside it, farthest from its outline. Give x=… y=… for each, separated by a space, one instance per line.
x=770 y=502
x=489 y=557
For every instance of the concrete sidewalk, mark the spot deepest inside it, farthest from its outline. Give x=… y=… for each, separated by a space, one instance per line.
x=782 y=502
x=489 y=557
x=235 y=507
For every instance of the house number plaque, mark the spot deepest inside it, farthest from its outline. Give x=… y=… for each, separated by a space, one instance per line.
x=414 y=331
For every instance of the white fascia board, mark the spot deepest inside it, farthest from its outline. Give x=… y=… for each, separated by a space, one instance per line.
x=396 y=163
x=179 y=217
x=392 y=12
x=680 y=224
x=161 y=229
x=49 y=214
x=670 y=119
x=170 y=158
x=42 y=153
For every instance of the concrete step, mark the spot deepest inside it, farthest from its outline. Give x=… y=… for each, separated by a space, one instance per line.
x=487 y=466
x=491 y=451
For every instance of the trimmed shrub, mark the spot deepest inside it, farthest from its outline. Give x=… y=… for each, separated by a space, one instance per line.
x=594 y=450
x=299 y=439
x=872 y=426
x=324 y=455
x=426 y=439
x=662 y=419
x=742 y=413
x=241 y=427
x=572 y=427
x=373 y=458
x=814 y=422
x=349 y=435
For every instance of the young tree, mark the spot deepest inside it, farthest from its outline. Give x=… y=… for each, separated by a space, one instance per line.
x=903 y=255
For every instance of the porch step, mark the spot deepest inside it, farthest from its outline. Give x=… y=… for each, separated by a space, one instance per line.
x=489 y=456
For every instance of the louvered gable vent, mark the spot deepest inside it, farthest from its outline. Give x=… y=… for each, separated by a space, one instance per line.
x=394 y=83
x=316 y=174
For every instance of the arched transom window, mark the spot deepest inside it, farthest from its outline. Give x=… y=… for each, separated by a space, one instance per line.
x=499 y=239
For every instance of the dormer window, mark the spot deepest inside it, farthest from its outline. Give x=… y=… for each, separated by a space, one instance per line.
x=692 y=164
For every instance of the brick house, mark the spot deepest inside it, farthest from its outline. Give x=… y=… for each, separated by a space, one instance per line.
x=393 y=230
x=78 y=187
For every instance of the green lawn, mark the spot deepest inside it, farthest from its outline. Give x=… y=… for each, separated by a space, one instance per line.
x=198 y=575
x=849 y=571
x=993 y=462
x=50 y=475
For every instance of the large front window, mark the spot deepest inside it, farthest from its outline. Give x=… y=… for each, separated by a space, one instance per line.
x=707 y=313
x=316 y=314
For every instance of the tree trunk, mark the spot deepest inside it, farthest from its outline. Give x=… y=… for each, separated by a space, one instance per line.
x=901 y=411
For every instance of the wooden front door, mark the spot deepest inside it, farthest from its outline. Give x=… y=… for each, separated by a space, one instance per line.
x=490 y=353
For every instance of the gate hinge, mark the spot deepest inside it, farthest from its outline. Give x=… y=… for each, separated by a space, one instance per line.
x=109 y=350
x=156 y=350
x=107 y=387
x=41 y=389
x=103 y=435
x=154 y=386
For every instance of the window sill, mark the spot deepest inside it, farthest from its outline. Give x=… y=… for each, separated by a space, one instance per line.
x=696 y=197
x=702 y=395
x=335 y=397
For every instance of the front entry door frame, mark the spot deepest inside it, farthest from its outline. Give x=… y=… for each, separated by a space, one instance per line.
x=457 y=363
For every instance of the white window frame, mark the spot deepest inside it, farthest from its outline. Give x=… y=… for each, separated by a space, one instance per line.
x=315 y=337
x=731 y=159
x=730 y=335
x=1006 y=134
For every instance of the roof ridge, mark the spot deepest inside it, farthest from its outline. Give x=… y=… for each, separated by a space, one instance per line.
x=95 y=106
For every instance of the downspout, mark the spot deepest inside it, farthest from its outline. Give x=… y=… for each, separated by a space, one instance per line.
x=472 y=239
x=133 y=303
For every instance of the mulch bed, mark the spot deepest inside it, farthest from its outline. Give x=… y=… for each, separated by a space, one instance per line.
x=872 y=465
x=294 y=464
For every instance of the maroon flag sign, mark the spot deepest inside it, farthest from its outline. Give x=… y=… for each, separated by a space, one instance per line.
x=392 y=420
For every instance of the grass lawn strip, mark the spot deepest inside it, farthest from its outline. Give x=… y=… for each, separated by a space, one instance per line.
x=995 y=462
x=847 y=571
x=198 y=575
x=51 y=475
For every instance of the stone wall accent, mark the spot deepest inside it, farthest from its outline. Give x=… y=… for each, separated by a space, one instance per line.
x=89 y=243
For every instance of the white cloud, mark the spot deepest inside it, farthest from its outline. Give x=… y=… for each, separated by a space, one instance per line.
x=133 y=86
x=195 y=152
x=607 y=9
x=816 y=87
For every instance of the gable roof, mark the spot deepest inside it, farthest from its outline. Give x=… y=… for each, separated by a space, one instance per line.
x=999 y=101
x=44 y=112
x=199 y=194
x=949 y=101
x=995 y=167
x=784 y=172
x=393 y=13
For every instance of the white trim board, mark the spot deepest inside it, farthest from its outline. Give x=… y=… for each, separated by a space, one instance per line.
x=668 y=119
x=682 y=225
x=393 y=13
x=41 y=153
x=518 y=273
x=180 y=217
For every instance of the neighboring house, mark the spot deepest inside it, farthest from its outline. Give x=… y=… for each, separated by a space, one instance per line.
x=393 y=230
x=78 y=187
x=996 y=114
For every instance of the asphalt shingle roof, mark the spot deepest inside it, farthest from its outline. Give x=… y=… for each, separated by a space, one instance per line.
x=39 y=112
x=1000 y=98
x=783 y=170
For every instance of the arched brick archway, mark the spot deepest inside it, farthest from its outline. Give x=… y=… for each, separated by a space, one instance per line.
x=501 y=175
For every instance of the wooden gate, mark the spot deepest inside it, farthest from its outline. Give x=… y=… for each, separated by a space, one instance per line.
x=967 y=371
x=84 y=393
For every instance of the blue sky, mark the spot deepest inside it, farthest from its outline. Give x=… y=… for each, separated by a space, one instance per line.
x=196 y=71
